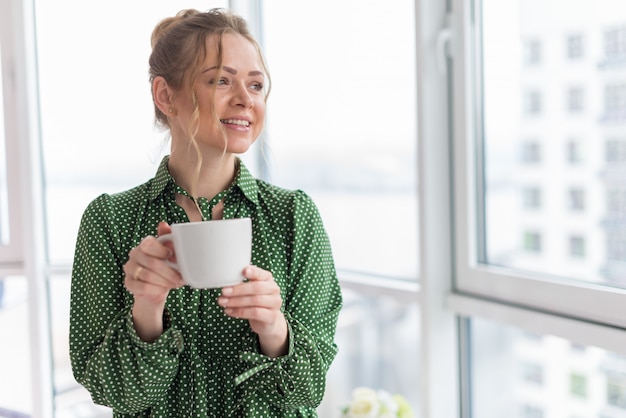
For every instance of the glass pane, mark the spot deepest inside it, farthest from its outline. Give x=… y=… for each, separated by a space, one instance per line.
x=98 y=136
x=96 y=107
x=555 y=137
x=542 y=376
x=15 y=384
x=378 y=342
x=4 y=199
x=342 y=124
x=71 y=399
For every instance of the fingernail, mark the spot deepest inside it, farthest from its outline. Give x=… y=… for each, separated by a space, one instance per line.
x=227 y=291
x=222 y=301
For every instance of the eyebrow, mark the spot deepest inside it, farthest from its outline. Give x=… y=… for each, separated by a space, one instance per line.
x=233 y=71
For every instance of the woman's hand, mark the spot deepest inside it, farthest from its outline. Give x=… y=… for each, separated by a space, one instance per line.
x=258 y=300
x=149 y=278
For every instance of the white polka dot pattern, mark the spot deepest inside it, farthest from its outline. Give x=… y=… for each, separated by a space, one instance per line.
x=205 y=364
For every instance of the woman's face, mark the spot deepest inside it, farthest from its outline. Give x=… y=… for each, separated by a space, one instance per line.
x=239 y=97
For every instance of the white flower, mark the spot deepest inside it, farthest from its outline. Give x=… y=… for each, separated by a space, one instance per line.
x=388 y=405
x=364 y=393
x=364 y=404
x=368 y=403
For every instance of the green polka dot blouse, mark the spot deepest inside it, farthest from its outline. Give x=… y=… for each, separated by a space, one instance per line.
x=205 y=364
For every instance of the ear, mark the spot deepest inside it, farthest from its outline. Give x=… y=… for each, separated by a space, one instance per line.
x=162 y=95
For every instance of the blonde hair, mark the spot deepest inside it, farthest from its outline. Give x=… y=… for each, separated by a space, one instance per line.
x=179 y=51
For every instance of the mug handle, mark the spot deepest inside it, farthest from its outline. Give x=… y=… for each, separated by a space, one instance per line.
x=168 y=238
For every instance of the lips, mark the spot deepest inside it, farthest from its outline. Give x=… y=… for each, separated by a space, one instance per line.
x=240 y=122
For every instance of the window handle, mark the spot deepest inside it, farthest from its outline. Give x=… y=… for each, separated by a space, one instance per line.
x=443 y=45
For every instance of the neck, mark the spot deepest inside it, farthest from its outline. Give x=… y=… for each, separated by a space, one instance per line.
x=202 y=178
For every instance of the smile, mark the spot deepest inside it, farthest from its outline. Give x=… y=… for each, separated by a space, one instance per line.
x=239 y=122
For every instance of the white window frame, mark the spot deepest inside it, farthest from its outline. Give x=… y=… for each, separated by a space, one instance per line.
x=585 y=313
x=453 y=286
x=25 y=254
x=11 y=252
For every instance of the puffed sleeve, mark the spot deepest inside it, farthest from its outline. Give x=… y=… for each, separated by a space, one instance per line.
x=312 y=304
x=108 y=358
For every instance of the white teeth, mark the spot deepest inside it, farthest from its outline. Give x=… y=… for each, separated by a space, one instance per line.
x=236 y=122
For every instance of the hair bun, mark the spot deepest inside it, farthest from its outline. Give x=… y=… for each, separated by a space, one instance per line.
x=165 y=25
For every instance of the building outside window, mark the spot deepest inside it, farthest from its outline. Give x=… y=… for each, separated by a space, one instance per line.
x=575 y=46
x=532 y=198
x=531 y=152
x=576 y=199
x=533 y=105
x=578 y=385
x=533 y=373
x=615 y=43
x=615 y=151
x=574 y=151
x=615 y=102
x=532 y=411
x=575 y=99
x=616 y=390
x=532 y=52
x=577 y=246
x=532 y=241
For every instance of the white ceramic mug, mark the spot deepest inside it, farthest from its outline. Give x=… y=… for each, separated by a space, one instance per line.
x=211 y=254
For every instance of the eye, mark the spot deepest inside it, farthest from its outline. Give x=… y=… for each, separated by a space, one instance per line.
x=256 y=86
x=222 y=81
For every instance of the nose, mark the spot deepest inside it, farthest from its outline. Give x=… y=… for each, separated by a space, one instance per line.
x=242 y=97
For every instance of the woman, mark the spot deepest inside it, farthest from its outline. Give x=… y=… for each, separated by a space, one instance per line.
x=141 y=341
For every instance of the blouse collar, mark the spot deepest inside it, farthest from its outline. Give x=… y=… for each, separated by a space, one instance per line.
x=244 y=181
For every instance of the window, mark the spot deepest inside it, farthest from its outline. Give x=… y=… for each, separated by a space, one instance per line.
x=576 y=199
x=532 y=52
x=532 y=411
x=616 y=390
x=564 y=259
x=574 y=382
x=518 y=300
x=615 y=151
x=575 y=99
x=531 y=152
x=532 y=198
x=111 y=139
x=578 y=385
x=4 y=209
x=616 y=201
x=533 y=373
x=532 y=241
x=615 y=102
x=577 y=246
x=348 y=139
x=350 y=167
x=502 y=126
x=574 y=151
x=616 y=250
x=11 y=127
x=615 y=43
x=533 y=103
x=575 y=47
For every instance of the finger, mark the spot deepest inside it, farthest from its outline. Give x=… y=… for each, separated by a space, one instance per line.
x=163 y=228
x=257 y=273
x=260 y=301
x=152 y=247
x=144 y=267
x=161 y=274
x=256 y=314
x=250 y=288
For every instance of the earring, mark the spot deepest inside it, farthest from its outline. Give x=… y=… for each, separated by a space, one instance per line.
x=171 y=110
